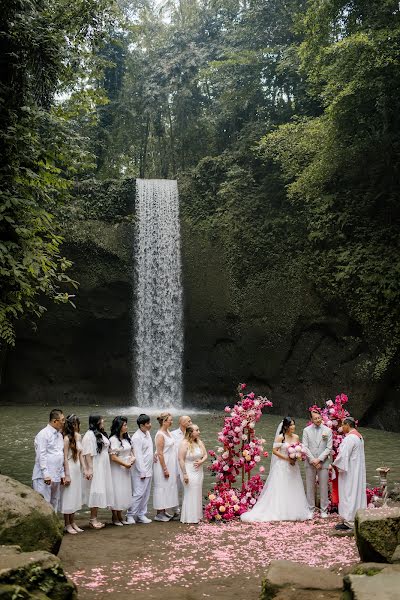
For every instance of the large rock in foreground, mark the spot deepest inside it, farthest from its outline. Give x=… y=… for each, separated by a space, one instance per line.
x=287 y=580
x=26 y=519
x=377 y=534
x=33 y=576
x=370 y=581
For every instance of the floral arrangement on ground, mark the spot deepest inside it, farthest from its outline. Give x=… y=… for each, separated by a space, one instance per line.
x=239 y=453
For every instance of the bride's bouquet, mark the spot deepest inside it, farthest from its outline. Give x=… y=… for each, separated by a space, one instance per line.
x=296 y=451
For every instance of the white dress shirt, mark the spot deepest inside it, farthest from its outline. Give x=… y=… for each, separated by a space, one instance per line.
x=49 y=450
x=178 y=436
x=142 y=445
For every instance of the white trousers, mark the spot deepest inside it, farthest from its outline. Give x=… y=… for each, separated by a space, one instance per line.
x=177 y=509
x=323 y=479
x=51 y=493
x=140 y=497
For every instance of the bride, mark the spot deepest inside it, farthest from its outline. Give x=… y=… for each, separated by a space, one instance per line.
x=283 y=497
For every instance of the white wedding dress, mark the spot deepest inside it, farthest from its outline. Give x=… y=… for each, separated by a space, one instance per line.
x=192 y=505
x=283 y=497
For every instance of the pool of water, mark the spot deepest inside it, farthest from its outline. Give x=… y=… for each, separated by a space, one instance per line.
x=19 y=425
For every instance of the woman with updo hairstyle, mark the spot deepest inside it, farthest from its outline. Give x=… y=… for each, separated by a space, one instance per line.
x=192 y=454
x=122 y=459
x=71 y=491
x=165 y=491
x=283 y=497
x=98 y=490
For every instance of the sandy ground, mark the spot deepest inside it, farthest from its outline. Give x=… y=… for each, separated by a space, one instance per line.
x=184 y=562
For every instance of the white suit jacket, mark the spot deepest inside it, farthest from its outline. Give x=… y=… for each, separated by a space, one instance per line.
x=317 y=442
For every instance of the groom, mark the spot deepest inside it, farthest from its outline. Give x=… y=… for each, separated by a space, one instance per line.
x=317 y=442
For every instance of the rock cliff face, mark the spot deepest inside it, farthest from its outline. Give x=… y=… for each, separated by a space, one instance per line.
x=81 y=354
x=275 y=334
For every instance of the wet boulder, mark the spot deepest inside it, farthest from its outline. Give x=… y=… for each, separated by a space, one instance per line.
x=26 y=519
x=369 y=581
x=289 y=580
x=377 y=532
x=33 y=575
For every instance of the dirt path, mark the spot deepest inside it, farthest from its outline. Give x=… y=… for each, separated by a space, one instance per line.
x=175 y=561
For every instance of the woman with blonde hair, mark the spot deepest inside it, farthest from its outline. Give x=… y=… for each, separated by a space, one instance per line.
x=165 y=492
x=192 y=455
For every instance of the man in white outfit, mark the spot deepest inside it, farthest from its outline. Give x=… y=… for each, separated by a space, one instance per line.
x=179 y=435
x=350 y=463
x=317 y=442
x=141 y=472
x=48 y=472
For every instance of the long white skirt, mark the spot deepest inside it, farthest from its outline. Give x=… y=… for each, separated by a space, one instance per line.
x=71 y=495
x=192 y=505
x=165 y=491
x=99 y=491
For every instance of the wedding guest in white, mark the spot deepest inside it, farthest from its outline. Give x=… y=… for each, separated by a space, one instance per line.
x=192 y=455
x=48 y=471
x=98 y=490
x=283 y=497
x=122 y=459
x=71 y=492
x=179 y=436
x=350 y=463
x=165 y=492
x=317 y=442
x=142 y=472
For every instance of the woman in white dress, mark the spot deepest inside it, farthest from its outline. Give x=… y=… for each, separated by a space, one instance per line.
x=192 y=455
x=98 y=491
x=122 y=458
x=165 y=491
x=283 y=497
x=71 y=491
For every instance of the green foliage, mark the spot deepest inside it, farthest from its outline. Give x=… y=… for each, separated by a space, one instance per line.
x=194 y=84
x=41 y=44
x=107 y=200
x=341 y=168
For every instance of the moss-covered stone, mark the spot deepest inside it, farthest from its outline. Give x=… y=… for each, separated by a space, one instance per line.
x=33 y=576
x=26 y=519
x=287 y=579
x=377 y=533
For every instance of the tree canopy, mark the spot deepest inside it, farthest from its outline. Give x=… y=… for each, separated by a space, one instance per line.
x=280 y=119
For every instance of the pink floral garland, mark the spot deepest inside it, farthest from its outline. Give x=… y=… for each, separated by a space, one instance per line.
x=239 y=453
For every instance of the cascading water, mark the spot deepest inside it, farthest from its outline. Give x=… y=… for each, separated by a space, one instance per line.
x=158 y=311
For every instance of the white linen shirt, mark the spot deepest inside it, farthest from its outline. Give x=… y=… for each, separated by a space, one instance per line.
x=142 y=445
x=49 y=459
x=178 y=436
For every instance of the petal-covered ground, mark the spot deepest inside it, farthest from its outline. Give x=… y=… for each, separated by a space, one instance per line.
x=158 y=556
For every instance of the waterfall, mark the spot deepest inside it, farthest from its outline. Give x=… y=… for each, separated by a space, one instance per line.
x=158 y=310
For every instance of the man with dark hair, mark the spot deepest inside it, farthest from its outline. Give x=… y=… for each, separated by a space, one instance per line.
x=317 y=442
x=350 y=463
x=141 y=472
x=48 y=472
